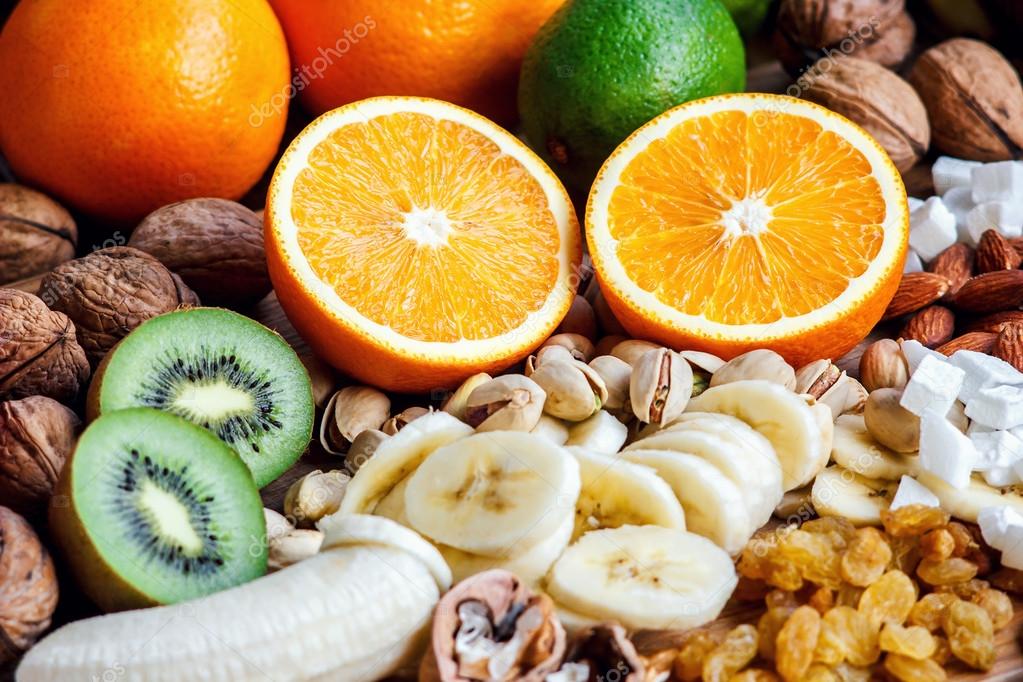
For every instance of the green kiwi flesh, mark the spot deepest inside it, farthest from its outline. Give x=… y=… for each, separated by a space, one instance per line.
x=151 y=509
x=222 y=371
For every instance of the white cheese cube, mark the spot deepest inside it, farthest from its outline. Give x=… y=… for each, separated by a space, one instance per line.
x=1002 y=528
x=983 y=371
x=948 y=172
x=996 y=449
x=945 y=451
x=959 y=202
x=932 y=229
x=913 y=262
x=910 y=491
x=914 y=203
x=934 y=386
x=915 y=352
x=1002 y=216
x=1000 y=407
x=1000 y=181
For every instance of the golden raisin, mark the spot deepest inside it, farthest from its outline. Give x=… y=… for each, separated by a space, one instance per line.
x=777 y=598
x=914 y=641
x=755 y=675
x=907 y=669
x=732 y=655
x=905 y=554
x=997 y=604
x=946 y=572
x=689 y=664
x=813 y=555
x=796 y=642
x=962 y=537
x=937 y=544
x=965 y=590
x=850 y=673
x=847 y=635
x=839 y=531
x=942 y=652
x=822 y=599
x=891 y=598
x=929 y=612
x=768 y=628
x=866 y=558
x=971 y=635
x=848 y=595
x=819 y=672
x=913 y=520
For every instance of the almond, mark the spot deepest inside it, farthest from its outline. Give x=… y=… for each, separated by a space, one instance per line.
x=990 y=292
x=982 y=342
x=994 y=322
x=932 y=326
x=917 y=290
x=996 y=253
x=1009 y=345
x=1017 y=243
x=955 y=264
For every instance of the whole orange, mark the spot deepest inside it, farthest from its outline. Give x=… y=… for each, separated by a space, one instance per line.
x=466 y=52
x=118 y=107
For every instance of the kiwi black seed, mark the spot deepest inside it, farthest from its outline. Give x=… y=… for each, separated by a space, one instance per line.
x=222 y=371
x=156 y=510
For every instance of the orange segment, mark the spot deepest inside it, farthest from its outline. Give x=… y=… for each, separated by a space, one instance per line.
x=423 y=234
x=747 y=220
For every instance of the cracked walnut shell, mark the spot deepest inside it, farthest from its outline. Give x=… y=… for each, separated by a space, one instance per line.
x=39 y=354
x=110 y=292
x=28 y=586
x=36 y=233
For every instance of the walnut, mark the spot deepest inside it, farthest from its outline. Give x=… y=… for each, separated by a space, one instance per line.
x=809 y=30
x=28 y=586
x=39 y=354
x=215 y=245
x=37 y=435
x=868 y=94
x=36 y=233
x=974 y=100
x=110 y=292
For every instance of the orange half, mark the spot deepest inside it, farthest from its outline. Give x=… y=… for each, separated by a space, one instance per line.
x=749 y=221
x=413 y=243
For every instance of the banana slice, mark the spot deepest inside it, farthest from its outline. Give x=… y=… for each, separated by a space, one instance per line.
x=855 y=449
x=572 y=621
x=551 y=428
x=397 y=457
x=713 y=504
x=615 y=492
x=495 y=493
x=348 y=614
x=393 y=505
x=530 y=566
x=784 y=418
x=644 y=577
x=838 y=491
x=966 y=504
x=601 y=433
x=361 y=529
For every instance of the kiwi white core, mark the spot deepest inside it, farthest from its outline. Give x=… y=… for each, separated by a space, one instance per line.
x=169 y=517
x=215 y=400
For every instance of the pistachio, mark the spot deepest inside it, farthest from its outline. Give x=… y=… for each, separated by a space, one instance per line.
x=661 y=385
x=574 y=390
x=857 y=399
x=455 y=404
x=551 y=428
x=349 y=412
x=507 y=403
x=631 y=350
x=578 y=345
x=315 y=495
x=277 y=525
x=702 y=361
x=883 y=365
x=292 y=547
x=401 y=420
x=829 y=385
x=363 y=447
x=548 y=354
x=616 y=374
x=756 y=364
x=580 y=319
x=889 y=423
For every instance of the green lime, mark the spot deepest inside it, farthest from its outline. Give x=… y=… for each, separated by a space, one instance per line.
x=599 y=69
x=748 y=14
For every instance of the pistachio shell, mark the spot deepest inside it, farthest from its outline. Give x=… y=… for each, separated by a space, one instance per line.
x=616 y=374
x=455 y=404
x=507 y=403
x=314 y=496
x=631 y=350
x=401 y=420
x=363 y=447
x=350 y=411
x=292 y=547
x=578 y=345
x=756 y=364
x=661 y=385
x=574 y=390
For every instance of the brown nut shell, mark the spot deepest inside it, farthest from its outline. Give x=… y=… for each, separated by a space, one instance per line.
x=37 y=435
x=110 y=292
x=36 y=233
x=39 y=354
x=974 y=100
x=28 y=586
x=214 y=245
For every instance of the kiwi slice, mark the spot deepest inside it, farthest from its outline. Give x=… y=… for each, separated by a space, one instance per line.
x=155 y=510
x=222 y=371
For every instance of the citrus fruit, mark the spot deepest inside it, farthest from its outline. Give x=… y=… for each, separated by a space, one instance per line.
x=749 y=221
x=414 y=243
x=465 y=52
x=119 y=107
x=599 y=69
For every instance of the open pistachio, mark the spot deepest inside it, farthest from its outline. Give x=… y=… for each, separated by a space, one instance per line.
x=292 y=547
x=661 y=385
x=506 y=403
x=574 y=390
x=350 y=411
x=756 y=364
x=550 y=353
x=631 y=350
x=314 y=496
x=703 y=365
x=363 y=447
x=277 y=524
x=828 y=384
x=578 y=345
x=455 y=404
x=616 y=374
x=401 y=420
x=857 y=399
x=890 y=423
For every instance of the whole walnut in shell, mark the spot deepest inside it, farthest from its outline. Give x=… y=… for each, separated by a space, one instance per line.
x=870 y=95
x=37 y=435
x=215 y=245
x=39 y=354
x=808 y=30
x=28 y=586
x=110 y=292
x=974 y=100
x=36 y=233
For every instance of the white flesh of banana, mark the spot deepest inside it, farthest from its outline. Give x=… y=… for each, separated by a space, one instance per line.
x=855 y=449
x=965 y=504
x=837 y=491
x=601 y=433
